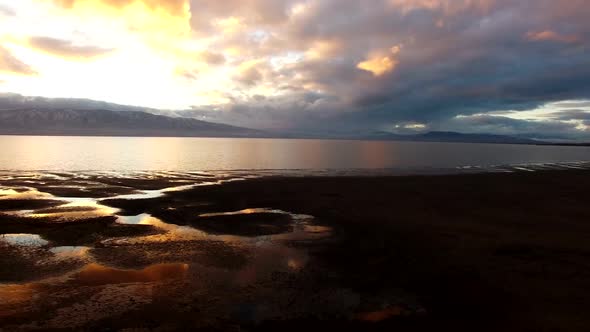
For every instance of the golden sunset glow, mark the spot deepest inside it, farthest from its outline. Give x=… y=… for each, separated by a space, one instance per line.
x=133 y=52
x=380 y=63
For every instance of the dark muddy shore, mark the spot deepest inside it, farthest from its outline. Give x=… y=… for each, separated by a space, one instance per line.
x=478 y=252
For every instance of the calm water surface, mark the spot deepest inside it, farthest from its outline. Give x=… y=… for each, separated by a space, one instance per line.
x=182 y=154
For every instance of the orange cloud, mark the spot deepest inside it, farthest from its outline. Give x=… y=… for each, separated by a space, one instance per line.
x=66 y=48
x=321 y=49
x=10 y=64
x=161 y=24
x=549 y=35
x=212 y=58
x=176 y=7
x=380 y=63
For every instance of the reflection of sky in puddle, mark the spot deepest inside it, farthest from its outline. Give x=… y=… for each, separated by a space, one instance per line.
x=76 y=208
x=173 y=232
x=24 y=240
x=244 y=211
x=5 y=192
x=134 y=220
x=70 y=251
x=302 y=229
x=271 y=253
x=147 y=194
x=144 y=194
x=29 y=193
x=13 y=297
x=96 y=274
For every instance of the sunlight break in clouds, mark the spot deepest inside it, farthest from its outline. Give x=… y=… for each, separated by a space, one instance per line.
x=311 y=65
x=379 y=63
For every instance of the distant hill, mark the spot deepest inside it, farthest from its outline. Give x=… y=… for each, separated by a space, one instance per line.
x=449 y=136
x=13 y=101
x=102 y=122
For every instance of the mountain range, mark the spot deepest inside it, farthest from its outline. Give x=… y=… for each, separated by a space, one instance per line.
x=101 y=122
x=449 y=136
x=21 y=115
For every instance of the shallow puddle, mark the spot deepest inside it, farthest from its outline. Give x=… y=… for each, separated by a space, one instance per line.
x=241 y=212
x=70 y=252
x=24 y=240
x=302 y=229
x=76 y=208
x=96 y=274
x=27 y=194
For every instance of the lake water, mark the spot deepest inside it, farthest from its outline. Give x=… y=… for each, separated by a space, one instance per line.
x=193 y=154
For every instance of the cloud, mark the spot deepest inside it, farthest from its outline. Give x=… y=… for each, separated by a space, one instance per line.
x=206 y=14
x=545 y=129
x=171 y=6
x=572 y=115
x=458 y=58
x=549 y=35
x=248 y=76
x=380 y=63
x=272 y=112
x=351 y=65
x=65 y=48
x=10 y=64
x=212 y=58
x=7 y=11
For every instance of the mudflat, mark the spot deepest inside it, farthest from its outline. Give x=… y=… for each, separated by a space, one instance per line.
x=172 y=251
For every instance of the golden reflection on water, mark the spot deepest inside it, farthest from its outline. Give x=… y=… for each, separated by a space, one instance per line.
x=7 y=192
x=10 y=194
x=69 y=252
x=96 y=274
x=76 y=210
x=380 y=315
x=13 y=297
x=244 y=211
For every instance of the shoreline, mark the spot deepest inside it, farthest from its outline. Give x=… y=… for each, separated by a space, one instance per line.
x=336 y=172
x=119 y=133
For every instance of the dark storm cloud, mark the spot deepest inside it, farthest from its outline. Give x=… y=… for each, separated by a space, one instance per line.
x=510 y=126
x=572 y=115
x=451 y=58
x=314 y=110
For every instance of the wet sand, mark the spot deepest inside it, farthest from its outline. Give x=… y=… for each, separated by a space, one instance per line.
x=471 y=252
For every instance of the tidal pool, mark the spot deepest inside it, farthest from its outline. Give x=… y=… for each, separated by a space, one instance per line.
x=24 y=240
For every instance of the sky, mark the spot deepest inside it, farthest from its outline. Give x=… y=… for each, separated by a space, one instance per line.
x=404 y=66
